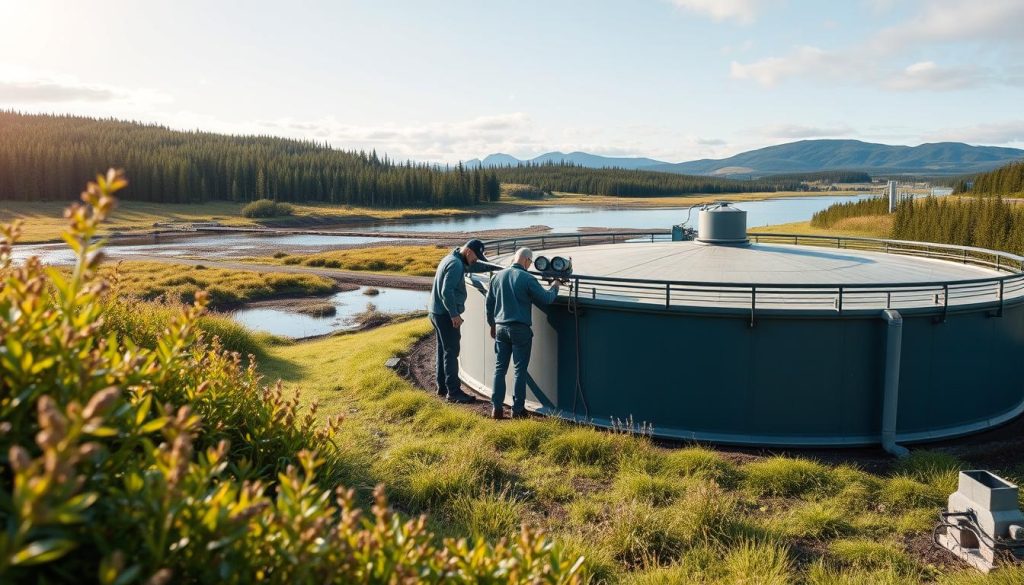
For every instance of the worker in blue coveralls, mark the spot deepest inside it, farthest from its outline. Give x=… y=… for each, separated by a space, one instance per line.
x=447 y=303
x=509 y=313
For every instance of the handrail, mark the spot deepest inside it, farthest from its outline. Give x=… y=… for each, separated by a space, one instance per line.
x=840 y=297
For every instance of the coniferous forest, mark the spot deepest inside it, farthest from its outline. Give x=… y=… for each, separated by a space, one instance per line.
x=1005 y=180
x=631 y=183
x=985 y=222
x=47 y=157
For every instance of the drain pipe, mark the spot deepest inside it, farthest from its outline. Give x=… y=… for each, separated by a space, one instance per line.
x=891 y=398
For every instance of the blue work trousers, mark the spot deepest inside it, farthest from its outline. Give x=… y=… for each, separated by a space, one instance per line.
x=449 y=341
x=513 y=341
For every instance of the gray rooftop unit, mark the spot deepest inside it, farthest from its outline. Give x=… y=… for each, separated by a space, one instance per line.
x=721 y=223
x=983 y=519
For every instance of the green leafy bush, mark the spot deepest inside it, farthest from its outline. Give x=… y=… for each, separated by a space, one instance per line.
x=173 y=463
x=267 y=208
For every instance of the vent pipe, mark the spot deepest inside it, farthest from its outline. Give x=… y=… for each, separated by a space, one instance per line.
x=891 y=396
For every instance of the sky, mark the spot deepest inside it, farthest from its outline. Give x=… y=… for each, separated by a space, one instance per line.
x=445 y=81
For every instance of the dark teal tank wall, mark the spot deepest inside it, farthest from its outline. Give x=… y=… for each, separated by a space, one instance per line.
x=790 y=379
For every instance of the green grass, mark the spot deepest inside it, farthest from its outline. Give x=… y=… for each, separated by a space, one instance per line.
x=44 y=220
x=227 y=288
x=584 y=446
x=863 y=553
x=701 y=461
x=492 y=514
x=410 y=260
x=638 y=512
x=783 y=476
x=143 y=322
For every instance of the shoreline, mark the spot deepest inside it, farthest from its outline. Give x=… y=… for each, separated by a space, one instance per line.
x=356 y=224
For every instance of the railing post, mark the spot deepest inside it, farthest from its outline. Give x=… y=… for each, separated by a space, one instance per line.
x=998 y=262
x=753 y=303
x=542 y=243
x=945 y=301
x=652 y=237
x=840 y=307
x=668 y=294
x=965 y=256
x=1000 y=313
x=579 y=240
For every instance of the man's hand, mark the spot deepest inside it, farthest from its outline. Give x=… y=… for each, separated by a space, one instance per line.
x=494 y=334
x=457 y=321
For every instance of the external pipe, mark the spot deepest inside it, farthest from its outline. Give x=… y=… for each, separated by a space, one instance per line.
x=891 y=396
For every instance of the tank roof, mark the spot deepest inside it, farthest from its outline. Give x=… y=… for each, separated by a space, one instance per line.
x=761 y=264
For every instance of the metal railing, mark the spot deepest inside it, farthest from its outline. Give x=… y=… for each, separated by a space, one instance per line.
x=937 y=296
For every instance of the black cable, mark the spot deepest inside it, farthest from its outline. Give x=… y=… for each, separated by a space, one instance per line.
x=574 y=309
x=1002 y=547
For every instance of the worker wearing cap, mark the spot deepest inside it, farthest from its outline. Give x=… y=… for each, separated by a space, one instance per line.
x=447 y=303
x=510 y=297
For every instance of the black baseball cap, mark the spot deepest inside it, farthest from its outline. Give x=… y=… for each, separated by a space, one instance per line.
x=478 y=248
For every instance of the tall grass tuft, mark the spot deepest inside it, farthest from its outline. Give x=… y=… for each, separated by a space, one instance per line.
x=784 y=476
x=585 y=446
x=263 y=208
x=703 y=462
x=492 y=514
x=862 y=553
x=765 y=563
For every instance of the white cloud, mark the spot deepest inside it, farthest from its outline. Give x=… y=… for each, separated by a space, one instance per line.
x=959 y=20
x=24 y=88
x=927 y=75
x=741 y=11
x=803 y=62
x=1005 y=132
x=876 y=61
x=797 y=131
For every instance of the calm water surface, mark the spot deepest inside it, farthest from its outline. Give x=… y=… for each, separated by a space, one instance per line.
x=296 y=325
x=570 y=218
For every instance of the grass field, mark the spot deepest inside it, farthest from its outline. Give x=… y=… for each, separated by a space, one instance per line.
x=640 y=513
x=410 y=260
x=43 y=221
x=872 y=226
x=178 y=283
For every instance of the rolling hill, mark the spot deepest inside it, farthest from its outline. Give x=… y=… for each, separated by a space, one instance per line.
x=941 y=158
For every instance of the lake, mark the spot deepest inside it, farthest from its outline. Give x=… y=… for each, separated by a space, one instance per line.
x=292 y=324
x=565 y=218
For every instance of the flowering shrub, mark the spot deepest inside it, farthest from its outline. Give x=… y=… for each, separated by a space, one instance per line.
x=173 y=463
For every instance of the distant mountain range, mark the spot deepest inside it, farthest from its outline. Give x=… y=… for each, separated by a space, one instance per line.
x=940 y=158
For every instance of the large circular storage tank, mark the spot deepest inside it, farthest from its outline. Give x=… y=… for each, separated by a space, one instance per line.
x=786 y=341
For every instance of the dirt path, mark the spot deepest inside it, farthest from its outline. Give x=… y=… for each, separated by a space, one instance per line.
x=341 y=276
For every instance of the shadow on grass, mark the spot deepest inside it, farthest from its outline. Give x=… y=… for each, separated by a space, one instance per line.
x=275 y=368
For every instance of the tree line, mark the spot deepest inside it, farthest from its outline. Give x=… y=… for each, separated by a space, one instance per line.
x=985 y=222
x=836 y=176
x=827 y=217
x=45 y=157
x=571 y=178
x=1005 y=180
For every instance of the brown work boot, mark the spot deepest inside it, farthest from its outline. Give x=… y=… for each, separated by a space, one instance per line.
x=497 y=413
x=520 y=414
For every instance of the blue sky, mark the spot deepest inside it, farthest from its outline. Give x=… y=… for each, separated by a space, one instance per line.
x=444 y=81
